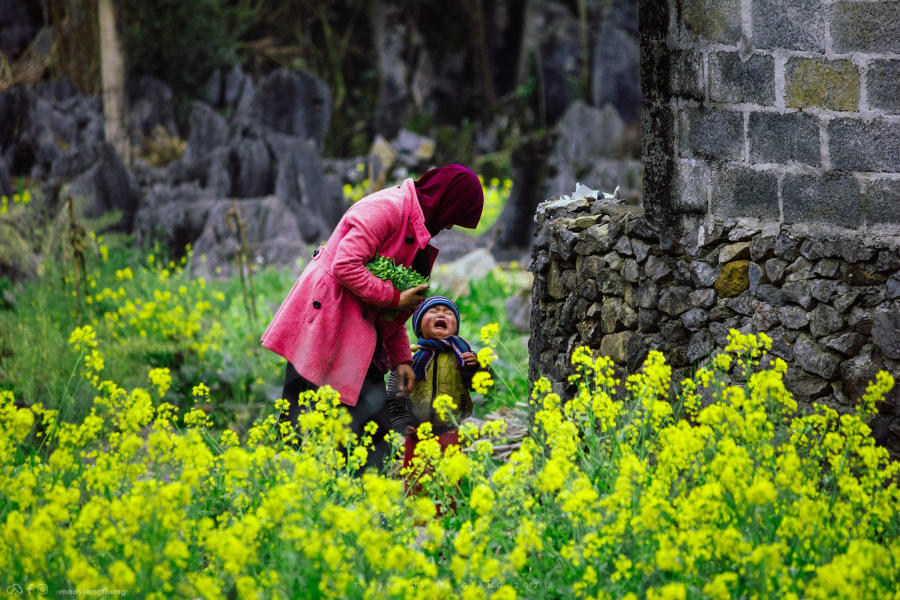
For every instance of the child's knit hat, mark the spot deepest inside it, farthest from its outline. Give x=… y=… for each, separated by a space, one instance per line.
x=429 y=303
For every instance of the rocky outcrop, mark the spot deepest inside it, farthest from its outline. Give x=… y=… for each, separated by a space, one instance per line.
x=589 y=147
x=257 y=148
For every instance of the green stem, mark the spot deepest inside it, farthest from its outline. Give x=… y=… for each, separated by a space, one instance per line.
x=62 y=401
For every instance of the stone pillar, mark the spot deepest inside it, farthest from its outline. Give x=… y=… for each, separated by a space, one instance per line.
x=657 y=117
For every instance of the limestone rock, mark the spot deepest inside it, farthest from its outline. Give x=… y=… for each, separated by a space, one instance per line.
x=799 y=270
x=893 y=286
x=700 y=346
x=562 y=240
x=630 y=271
x=674 y=300
x=733 y=279
x=648 y=294
x=887 y=261
x=858 y=275
x=702 y=298
x=847 y=344
x=555 y=286
x=814 y=360
x=762 y=247
x=793 y=317
x=694 y=319
x=798 y=292
x=625 y=348
x=640 y=248
x=593 y=240
x=755 y=276
x=657 y=269
x=787 y=246
x=733 y=252
x=886 y=330
x=591 y=267
x=805 y=386
x=845 y=301
x=775 y=269
x=771 y=294
x=703 y=274
x=588 y=289
x=824 y=320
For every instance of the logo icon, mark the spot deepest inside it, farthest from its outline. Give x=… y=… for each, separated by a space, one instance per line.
x=14 y=589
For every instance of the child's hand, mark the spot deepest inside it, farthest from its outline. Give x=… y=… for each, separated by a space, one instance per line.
x=410 y=430
x=469 y=359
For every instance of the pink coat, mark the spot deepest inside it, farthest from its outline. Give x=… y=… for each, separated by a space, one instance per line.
x=326 y=325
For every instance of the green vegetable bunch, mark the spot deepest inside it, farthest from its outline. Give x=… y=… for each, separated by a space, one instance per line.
x=401 y=277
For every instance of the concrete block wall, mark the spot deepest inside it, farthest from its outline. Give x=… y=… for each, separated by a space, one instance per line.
x=782 y=110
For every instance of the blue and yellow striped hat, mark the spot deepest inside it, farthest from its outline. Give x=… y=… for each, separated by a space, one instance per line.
x=428 y=303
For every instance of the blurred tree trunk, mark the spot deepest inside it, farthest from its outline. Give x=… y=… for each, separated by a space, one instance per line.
x=112 y=72
x=484 y=59
x=391 y=37
x=76 y=44
x=584 y=59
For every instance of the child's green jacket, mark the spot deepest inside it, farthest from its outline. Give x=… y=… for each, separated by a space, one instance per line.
x=442 y=377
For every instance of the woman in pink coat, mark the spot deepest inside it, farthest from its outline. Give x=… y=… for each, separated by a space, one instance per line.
x=330 y=327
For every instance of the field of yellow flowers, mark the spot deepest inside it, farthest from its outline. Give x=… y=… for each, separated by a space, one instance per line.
x=128 y=478
x=721 y=492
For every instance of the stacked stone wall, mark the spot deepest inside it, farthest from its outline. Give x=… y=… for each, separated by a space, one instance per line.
x=605 y=276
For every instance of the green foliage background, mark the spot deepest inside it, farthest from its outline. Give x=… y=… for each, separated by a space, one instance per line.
x=182 y=41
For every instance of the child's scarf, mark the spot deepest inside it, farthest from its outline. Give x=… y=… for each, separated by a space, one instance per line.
x=428 y=348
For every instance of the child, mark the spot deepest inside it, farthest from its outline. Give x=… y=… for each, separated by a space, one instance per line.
x=443 y=364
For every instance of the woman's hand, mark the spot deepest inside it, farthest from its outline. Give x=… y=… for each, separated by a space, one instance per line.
x=406 y=378
x=411 y=298
x=469 y=359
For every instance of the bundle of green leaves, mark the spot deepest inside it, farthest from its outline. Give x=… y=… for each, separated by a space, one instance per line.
x=400 y=276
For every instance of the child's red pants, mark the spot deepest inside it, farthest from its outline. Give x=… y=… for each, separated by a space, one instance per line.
x=450 y=438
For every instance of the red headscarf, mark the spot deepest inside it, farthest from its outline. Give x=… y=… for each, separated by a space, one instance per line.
x=450 y=195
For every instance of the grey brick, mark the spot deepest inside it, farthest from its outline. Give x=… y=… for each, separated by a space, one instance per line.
x=784 y=138
x=883 y=82
x=833 y=198
x=733 y=80
x=711 y=134
x=831 y=84
x=743 y=192
x=692 y=180
x=686 y=72
x=883 y=202
x=712 y=20
x=789 y=24
x=866 y=26
x=859 y=146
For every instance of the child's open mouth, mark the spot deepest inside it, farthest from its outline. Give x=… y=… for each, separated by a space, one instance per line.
x=440 y=324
